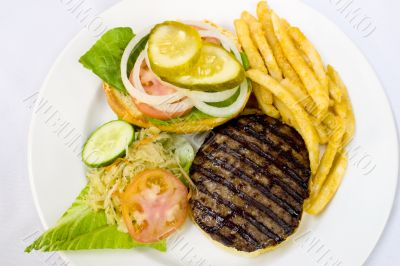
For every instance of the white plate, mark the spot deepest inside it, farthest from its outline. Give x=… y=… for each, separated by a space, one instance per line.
x=345 y=233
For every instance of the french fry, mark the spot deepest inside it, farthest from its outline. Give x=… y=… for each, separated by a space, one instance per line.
x=271 y=110
x=251 y=51
x=303 y=122
x=259 y=39
x=314 y=58
x=350 y=130
x=284 y=23
x=306 y=59
x=334 y=91
x=350 y=119
x=329 y=119
x=314 y=88
x=286 y=114
x=264 y=16
x=321 y=130
x=330 y=186
x=331 y=123
x=326 y=163
x=299 y=94
x=303 y=98
x=341 y=109
x=262 y=99
x=306 y=102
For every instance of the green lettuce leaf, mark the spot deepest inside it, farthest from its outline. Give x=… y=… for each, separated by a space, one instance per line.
x=82 y=228
x=104 y=58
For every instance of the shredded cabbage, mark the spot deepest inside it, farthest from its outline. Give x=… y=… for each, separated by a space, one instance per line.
x=152 y=149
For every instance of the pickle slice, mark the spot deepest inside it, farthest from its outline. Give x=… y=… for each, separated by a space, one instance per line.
x=173 y=48
x=215 y=70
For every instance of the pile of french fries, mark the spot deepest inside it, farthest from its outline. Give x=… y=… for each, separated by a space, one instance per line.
x=291 y=82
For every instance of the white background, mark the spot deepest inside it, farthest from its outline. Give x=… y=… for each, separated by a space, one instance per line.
x=33 y=33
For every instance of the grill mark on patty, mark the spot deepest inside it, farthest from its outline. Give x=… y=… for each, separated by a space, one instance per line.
x=255 y=161
x=276 y=128
x=286 y=184
x=252 y=147
x=301 y=157
x=239 y=211
x=281 y=193
x=289 y=159
x=224 y=221
x=218 y=179
x=251 y=176
x=232 y=197
x=252 y=192
x=228 y=241
x=253 y=183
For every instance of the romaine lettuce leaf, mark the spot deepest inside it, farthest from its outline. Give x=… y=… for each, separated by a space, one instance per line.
x=104 y=58
x=82 y=228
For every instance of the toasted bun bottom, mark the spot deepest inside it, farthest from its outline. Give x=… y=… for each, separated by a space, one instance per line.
x=124 y=107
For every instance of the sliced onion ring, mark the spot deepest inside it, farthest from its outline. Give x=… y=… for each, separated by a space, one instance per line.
x=229 y=110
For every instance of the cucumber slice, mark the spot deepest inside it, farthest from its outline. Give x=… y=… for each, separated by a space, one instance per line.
x=216 y=70
x=173 y=48
x=107 y=143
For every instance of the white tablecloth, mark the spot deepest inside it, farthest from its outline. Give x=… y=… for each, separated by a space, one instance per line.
x=33 y=33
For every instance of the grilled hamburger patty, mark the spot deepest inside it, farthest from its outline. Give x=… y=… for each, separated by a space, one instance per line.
x=252 y=178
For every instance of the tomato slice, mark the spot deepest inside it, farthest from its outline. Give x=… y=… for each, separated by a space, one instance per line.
x=154 y=205
x=152 y=85
x=152 y=112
